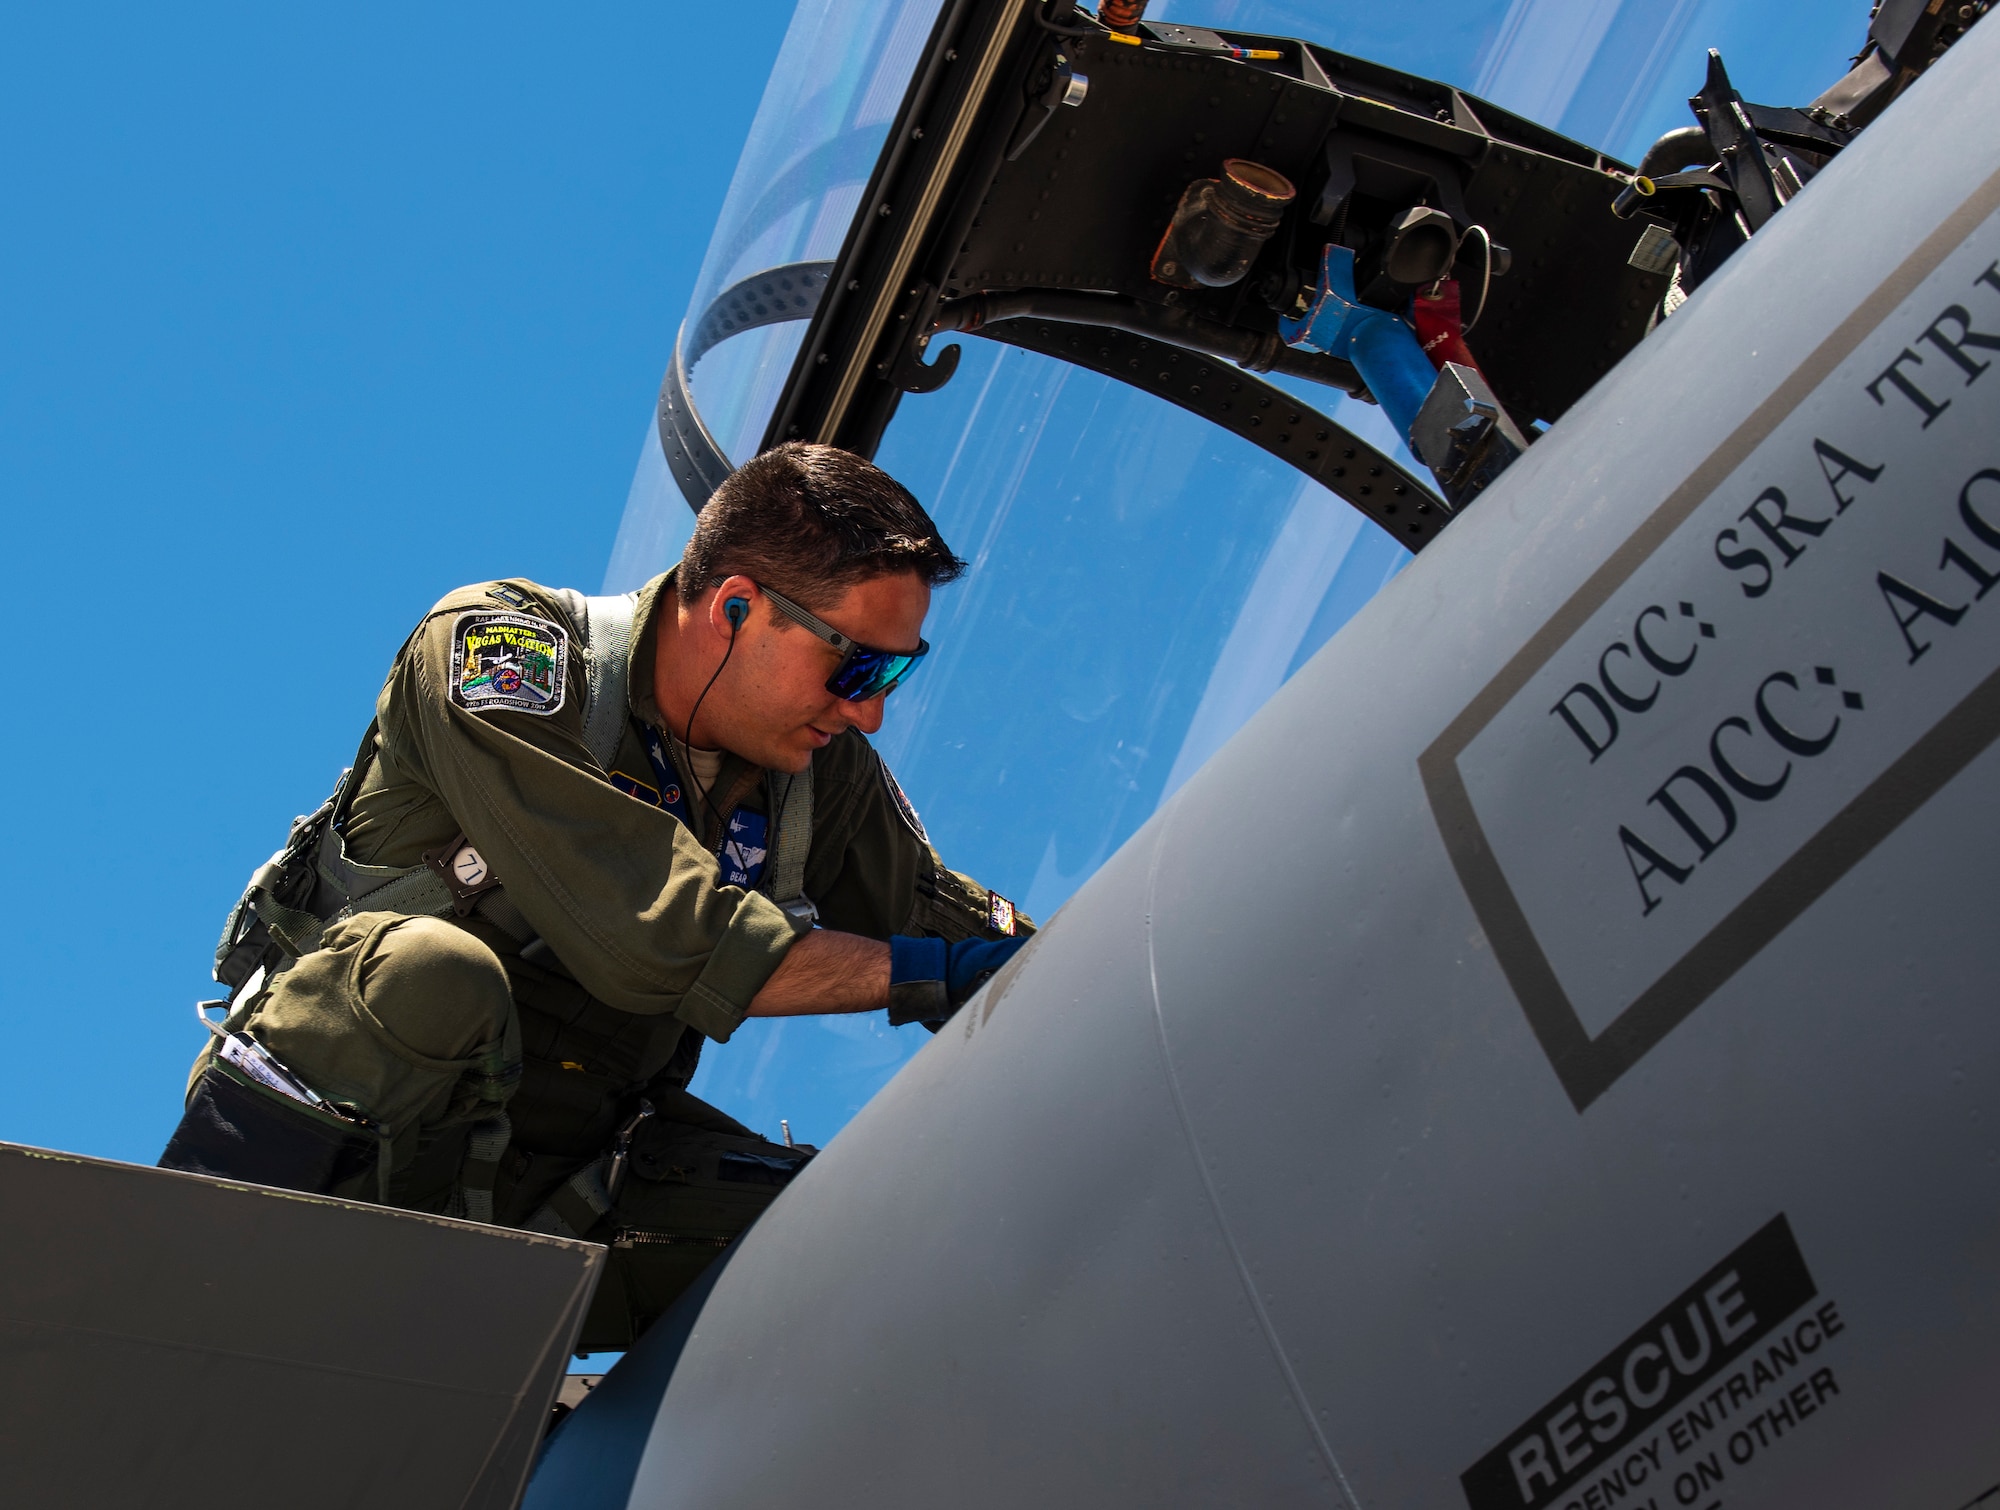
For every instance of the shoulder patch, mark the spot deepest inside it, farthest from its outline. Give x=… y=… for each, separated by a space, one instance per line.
x=508 y=663
x=999 y=914
x=902 y=802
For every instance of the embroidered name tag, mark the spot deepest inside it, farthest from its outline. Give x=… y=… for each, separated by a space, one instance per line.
x=508 y=662
x=743 y=852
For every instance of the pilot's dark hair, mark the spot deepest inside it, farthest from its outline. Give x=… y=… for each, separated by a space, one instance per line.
x=811 y=521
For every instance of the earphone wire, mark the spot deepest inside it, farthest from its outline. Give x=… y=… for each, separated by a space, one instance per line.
x=687 y=740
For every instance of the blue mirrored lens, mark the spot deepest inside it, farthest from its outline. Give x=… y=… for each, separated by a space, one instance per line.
x=870 y=673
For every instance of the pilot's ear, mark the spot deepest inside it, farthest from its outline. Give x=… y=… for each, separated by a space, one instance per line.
x=729 y=609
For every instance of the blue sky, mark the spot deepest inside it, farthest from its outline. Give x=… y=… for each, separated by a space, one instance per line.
x=309 y=314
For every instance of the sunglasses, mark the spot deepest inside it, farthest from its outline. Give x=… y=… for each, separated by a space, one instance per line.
x=863 y=673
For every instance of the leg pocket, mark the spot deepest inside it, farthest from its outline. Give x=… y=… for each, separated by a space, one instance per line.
x=241 y=1131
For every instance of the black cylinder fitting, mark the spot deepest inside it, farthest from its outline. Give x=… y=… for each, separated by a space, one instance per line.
x=1220 y=225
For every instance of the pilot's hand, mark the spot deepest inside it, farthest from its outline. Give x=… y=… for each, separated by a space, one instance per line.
x=930 y=979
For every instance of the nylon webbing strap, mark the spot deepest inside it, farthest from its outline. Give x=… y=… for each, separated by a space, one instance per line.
x=794 y=841
x=420 y=892
x=574 y=1206
x=607 y=628
x=294 y=930
x=484 y=1149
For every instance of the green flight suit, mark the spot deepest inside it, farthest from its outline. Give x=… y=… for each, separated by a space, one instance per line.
x=622 y=950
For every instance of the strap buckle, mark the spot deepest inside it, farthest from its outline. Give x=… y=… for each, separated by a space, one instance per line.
x=465 y=873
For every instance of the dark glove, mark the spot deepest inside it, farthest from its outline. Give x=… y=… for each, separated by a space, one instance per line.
x=930 y=979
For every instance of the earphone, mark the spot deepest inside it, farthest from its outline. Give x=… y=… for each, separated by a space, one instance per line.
x=736 y=610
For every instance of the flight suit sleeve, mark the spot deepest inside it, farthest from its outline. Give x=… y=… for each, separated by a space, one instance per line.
x=486 y=706
x=872 y=869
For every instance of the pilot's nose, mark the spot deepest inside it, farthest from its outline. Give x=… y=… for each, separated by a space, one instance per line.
x=867 y=717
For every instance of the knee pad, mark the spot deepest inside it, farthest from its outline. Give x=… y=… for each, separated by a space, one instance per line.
x=435 y=987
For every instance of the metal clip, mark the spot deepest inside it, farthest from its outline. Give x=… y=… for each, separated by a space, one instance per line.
x=621 y=1148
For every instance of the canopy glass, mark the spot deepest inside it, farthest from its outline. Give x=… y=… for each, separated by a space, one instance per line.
x=1141 y=582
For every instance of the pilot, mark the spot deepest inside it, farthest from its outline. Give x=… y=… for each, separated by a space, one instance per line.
x=582 y=837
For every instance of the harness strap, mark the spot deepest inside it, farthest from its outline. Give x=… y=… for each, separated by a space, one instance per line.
x=785 y=880
x=485 y=1147
x=294 y=930
x=419 y=891
x=606 y=627
x=575 y=1206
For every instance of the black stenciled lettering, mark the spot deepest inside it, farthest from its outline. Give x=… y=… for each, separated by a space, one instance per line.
x=1631 y=702
x=1571 y=1442
x=1727 y=1305
x=1665 y=665
x=1982 y=531
x=1838 y=465
x=1801 y=1400
x=1892 y=375
x=1686 y=1429
x=1747 y=559
x=1954 y=555
x=1991 y=277
x=1689 y=1362
x=1612 y=1485
x=1637 y=850
x=1646 y=1398
x=1900 y=595
x=1605 y=1409
x=1786 y=737
x=1782 y=1354
x=1530 y=1461
x=1707 y=1473
x=1967 y=336
x=1668 y=1387
x=1774 y=526
x=1742 y=785
x=1703 y=808
x=1609 y=720
x=1725 y=810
